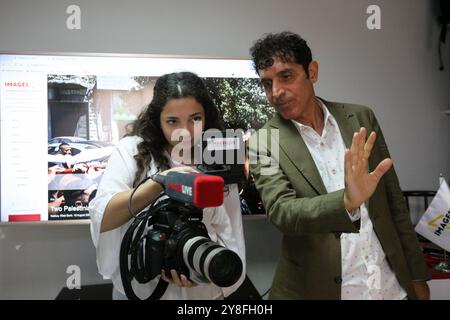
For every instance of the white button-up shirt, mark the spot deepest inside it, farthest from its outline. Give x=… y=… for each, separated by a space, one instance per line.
x=365 y=270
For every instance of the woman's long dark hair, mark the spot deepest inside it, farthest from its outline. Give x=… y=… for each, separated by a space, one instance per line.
x=148 y=127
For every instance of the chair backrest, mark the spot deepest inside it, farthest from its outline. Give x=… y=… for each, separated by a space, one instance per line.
x=425 y=195
x=417 y=207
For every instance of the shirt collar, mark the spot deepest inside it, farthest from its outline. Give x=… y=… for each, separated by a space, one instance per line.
x=327 y=117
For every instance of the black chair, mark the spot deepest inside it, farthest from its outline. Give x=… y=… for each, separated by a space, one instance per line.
x=424 y=194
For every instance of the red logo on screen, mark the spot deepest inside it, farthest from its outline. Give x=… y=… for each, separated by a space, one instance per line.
x=24 y=217
x=17 y=84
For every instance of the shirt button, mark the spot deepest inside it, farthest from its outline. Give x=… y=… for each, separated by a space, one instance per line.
x=333 y=171
x=322 y=144
x=338 y=280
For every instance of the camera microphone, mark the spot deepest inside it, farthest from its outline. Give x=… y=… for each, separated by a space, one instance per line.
x=201 y=190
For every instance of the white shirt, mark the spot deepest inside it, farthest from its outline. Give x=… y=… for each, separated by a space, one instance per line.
x=224 y=225
x=365 y=270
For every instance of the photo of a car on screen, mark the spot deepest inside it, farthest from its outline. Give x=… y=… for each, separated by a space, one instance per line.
x=75 y=167
x=77 y=157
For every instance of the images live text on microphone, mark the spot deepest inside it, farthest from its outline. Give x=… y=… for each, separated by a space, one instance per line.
x=199 y=189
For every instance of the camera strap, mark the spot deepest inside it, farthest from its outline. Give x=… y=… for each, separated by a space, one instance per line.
x=125 y=274
x=128 y=248
x=159 y=290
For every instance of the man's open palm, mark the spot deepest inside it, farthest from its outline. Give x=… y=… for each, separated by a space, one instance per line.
x=359 y=183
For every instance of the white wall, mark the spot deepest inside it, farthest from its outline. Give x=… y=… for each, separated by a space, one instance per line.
x=394 y=70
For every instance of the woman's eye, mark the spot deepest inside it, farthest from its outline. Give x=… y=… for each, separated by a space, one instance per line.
x=197 y=119
x=171 y=122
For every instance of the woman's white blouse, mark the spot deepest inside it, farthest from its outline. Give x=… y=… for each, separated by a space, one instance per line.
x=224 y=225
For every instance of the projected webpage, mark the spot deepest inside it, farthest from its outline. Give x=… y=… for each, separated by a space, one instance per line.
x=62 y=115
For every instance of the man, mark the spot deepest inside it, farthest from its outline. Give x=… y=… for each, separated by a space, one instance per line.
x=346 y=231
x=64 y=149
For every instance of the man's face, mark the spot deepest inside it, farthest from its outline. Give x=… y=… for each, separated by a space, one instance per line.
x=289 y=89
x=66 y=149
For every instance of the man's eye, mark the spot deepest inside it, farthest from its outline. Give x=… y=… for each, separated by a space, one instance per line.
x=171 y=121
x=266 y=84
x=197 y=118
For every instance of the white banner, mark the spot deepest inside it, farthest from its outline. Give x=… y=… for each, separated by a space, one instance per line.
x=434 y=224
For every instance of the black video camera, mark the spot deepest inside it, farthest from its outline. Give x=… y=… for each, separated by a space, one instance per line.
x=171 y=235
x=180 y=241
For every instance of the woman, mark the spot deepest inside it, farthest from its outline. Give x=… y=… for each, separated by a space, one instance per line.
x=180 y=104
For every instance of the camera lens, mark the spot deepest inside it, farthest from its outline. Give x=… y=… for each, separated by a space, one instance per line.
x=224 y=268
x=219 y=265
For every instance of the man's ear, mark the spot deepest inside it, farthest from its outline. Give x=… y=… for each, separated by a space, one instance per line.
x=313 y=70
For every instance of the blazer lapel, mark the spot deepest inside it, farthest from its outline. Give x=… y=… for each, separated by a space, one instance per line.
x=347 y=121
x=348 y=124
x=296 y=150
x=291 y=142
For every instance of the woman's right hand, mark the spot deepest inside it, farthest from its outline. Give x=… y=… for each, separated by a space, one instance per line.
x=117 y=212
x=181 y=281
x=179 y=169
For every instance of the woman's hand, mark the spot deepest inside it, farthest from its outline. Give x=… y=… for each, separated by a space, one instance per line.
x=178 y=169
x=181 y=281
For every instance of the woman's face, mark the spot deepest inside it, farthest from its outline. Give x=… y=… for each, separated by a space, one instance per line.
x=182 y=121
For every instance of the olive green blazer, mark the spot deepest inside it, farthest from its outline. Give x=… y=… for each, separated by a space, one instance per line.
x=311 y=220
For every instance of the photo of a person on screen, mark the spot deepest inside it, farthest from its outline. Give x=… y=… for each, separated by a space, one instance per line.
x=65 y=149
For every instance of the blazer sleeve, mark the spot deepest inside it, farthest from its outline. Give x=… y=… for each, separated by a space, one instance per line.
x=291 y=213
x=399 y=212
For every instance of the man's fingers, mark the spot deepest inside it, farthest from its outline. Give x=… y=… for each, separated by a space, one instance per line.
x=369 y=145
x=358 y=150
x=348 y=162
x=382 y=168
x=362 y=141
x=354 y=151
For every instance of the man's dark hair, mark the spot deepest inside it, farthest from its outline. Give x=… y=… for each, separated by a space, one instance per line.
x=286 y=46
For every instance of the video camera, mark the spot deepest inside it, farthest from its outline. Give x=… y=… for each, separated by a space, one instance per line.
x=222 y=153
x=171 y=234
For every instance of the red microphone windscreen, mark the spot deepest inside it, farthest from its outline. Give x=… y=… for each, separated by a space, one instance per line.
x=208 y=191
